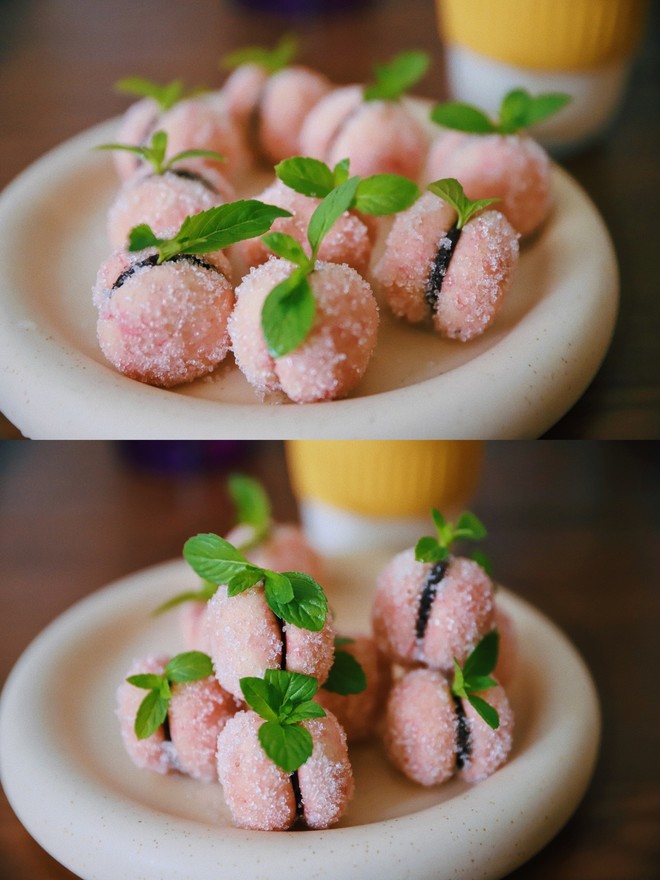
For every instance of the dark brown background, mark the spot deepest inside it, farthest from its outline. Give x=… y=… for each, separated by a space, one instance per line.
x=59 y=59
x=573 y=527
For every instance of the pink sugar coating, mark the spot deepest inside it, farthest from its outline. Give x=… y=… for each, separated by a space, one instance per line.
x=382 y=137
x=478 y=277
x=489 y=748
x=152 y=753
x=462 y=612
x=285 y=549
x=198 y=711
x=325 y=119
x=164 y=200
x=513 y=168
x=287 y=98
x=349 y=241
x=244 y=639
x=507 y=659
x=420 y=732
x=335 y=355
x=359 y=713
x=193 y=627
x=326 y=778
x=135 y=130
x=203 y=123
x=166 y=324
x=258 y=794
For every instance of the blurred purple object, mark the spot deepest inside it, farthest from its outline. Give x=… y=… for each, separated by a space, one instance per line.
x=182 y=455
x=302 y=7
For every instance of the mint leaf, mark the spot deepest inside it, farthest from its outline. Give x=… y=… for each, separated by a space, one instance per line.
x=166 y=96
x=291 y=688
x=383 y=194
x=343 y=640
x=271 y=59
x=148 y=680
x=485 y=710
x=261 y=697
x=346 y=675
x=252 y=504
x=189 y=666
x=202 y=595
x=482 y=559
x=340 y=171
x=213 y=558
x=151 y=713
x=307 y=176
x=288 y=746
x=288 y=313
x=400 y=74
x=308 y=608
x=428 y=549
x=451 y=191
x=521 y=110
x=470 y=526
x=287 y=247
x=309 y=709
x=141 y=237
x=483 y=659
x=462 y=117
x=329 y=211
x=278 y=588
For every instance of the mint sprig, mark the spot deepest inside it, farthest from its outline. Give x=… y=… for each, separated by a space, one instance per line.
x=346 y=675
x=270 y=59
x=391 y=80
x=283 y=699
x=475 y=677
x=378 y=195
x=252 y=507
x=451 y=191
x=152 y=712
x=205 y=592
x=154 y=153
x=294 y=596
x=519 y=110
x=209 y=230
x=435 y=549
x=166 y=96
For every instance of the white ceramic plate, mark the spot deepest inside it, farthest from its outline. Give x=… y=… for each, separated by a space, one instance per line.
x=73 y=787
x=515 y=381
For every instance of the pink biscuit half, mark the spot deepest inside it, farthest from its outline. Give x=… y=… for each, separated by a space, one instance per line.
x=461 y=612
x=198 y=712
x=513 y=168
x=245 y=638
x=193 y=626
x=421 y=725
x=326 y=777
x=477 y=279
x=507 y=660
x=154 y=752
x=335 y=355
x=258 y=794
x=135 y=129
x=359 y=713
x=163 y=324
x=489 y=748
x=325 y=119
x=165 y=200
x=349 y=241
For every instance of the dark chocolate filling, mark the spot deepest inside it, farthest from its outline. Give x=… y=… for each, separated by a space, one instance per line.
x=440 y=265
x=295 y=784
x=166 y=728
x=428 y=595
x=463 y=743
x=185 y=174
x=152 y=260
x=280 y=623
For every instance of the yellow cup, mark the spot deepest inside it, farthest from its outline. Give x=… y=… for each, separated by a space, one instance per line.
x=364 y=493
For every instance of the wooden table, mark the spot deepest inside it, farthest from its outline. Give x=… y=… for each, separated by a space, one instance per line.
x=59 y=59
x=574 y=529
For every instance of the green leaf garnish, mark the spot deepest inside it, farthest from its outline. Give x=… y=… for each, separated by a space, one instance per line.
x=210 y=230
x=288 y=312
x=154 y=153
x=519 y=110
x=271 y=59
x=400 y=74
x=152 y=712
x=311 y=177
x=252 y=506
x=482 y=559
x=434 y=549
x=166 y=96
x=329 y=211
x=346 y=674
x=283 y=699
x=287 y=247
x=294 y=596
x=450 y=190
x=474 y=677
x=383 y=194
